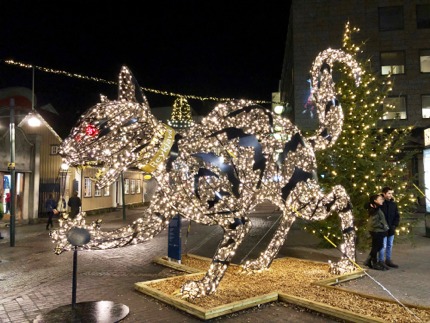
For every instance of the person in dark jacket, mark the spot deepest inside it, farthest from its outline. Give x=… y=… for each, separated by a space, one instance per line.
x=50 y=205
x=75 y=204
x=392 y=217
x=378 y=229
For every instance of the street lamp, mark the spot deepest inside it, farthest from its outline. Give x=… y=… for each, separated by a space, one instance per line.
x=34 y=122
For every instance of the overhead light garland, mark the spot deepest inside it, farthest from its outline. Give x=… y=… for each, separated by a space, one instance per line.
x=217 y=172
x=97 y=79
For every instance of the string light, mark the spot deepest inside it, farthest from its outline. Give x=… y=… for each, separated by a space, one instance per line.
x=97 y=79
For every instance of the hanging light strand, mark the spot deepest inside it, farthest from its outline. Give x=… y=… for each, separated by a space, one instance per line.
x=161 y=92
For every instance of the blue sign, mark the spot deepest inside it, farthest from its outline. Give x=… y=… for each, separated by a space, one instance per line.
x=174 y=238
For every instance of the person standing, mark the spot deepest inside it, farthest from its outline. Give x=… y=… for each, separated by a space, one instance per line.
x=378 y=227
x=50 y=205
x=75 y=204
x=392 y=217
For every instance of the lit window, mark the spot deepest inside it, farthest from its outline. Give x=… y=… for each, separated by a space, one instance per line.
x=423 y=16
x=126 y=186
x=87 y=187
x=133 y=186
x=97 y=192
x=390 y=18
x=425 y=106
x=55 y=149
x=394 y=108
x=106 y=191
x=392 y=62
x=425 y=60
x=138 y=184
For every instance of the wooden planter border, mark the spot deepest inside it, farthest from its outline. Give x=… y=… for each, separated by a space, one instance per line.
x=205 y=314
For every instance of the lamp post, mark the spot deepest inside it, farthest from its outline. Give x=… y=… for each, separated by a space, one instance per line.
x=11 y=167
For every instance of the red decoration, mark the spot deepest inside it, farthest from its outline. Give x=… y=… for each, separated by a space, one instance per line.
x=91 y=131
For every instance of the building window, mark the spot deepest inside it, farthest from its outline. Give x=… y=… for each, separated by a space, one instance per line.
x=97 y=191
x=138 y=184
x=106 y=191
x=425 y=60
x=425 y=105
x=390 y=18
x=423 y=16
x=394 y=108
x=87 y=187
x=393 y=63
x=126 y=186
x=55 y=149
x=133 y=186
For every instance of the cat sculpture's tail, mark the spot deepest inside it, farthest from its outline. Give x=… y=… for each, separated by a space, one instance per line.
x=330 y=113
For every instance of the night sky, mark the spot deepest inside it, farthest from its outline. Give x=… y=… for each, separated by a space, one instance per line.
x=204 y=48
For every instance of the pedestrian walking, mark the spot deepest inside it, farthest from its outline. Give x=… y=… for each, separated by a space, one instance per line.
x=392 y=217
x=378 y=229
x=51 y=207
x=75 y=204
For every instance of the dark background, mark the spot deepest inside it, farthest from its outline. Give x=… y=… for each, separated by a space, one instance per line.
x=229 y=49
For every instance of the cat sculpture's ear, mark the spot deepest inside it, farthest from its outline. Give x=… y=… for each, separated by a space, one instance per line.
x=126 y=86
x=129 y=89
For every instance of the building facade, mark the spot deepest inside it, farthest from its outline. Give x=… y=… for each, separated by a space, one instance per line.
x=396 y=38
x=38 y=167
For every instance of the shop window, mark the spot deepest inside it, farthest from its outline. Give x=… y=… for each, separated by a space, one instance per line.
x=423 y=16
x=425 y=60
x=394 y=108
x=392 y=62
x=390 y=18
x=425 y=106
x=87 y=187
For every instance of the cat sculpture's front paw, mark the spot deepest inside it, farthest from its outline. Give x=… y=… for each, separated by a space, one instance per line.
x=253 y=266
x=341 y=267
x=194 y=289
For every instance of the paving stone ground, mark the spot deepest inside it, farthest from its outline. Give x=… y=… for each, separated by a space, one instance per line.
x=34 y=281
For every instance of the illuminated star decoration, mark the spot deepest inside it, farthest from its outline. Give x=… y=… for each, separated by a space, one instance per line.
x=216 y=172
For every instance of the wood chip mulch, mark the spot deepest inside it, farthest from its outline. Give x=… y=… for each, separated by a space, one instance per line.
x=290 y=276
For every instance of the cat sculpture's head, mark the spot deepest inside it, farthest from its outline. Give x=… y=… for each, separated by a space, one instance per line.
x=112 y=135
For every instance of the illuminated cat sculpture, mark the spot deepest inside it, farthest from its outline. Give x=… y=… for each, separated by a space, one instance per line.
x=216 y=172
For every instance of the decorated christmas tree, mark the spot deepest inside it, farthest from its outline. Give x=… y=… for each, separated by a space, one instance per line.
x=368 y=155
x=181 y=114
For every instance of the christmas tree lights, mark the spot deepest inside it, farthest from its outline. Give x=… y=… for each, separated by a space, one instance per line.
x=369 y=154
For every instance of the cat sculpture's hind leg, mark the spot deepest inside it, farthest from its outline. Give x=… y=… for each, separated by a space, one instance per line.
x=308 y=202
x=234 y=233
